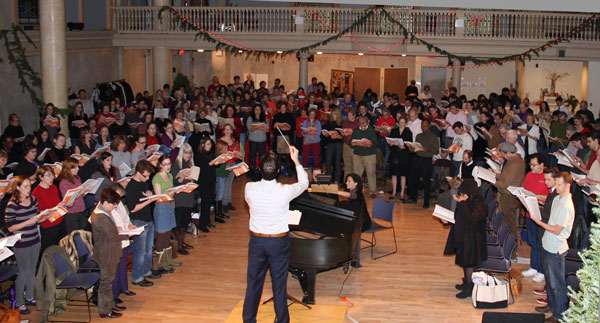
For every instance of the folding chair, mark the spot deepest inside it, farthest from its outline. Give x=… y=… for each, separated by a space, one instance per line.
x=86 y=264
x=500 y=265
x=383 y=209
x=83 y=281
x=492 y=237
x=497 y=251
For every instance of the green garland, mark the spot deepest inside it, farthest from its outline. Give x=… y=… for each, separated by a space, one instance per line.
x=224 y=44
x=28 y=78
x=463 y=59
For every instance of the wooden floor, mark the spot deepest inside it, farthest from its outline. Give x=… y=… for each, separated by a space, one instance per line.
x=414 y=285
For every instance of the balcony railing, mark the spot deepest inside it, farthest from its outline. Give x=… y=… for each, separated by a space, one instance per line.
x=328 y=21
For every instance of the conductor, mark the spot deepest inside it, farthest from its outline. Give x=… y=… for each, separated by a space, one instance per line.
x=269 y=246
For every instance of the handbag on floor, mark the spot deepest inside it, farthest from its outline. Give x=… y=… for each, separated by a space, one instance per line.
x=491 y=292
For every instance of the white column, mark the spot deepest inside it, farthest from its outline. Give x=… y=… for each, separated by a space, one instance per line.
x=54 y=53
x=303 y=74
x=160 y=58
x=593 y=84
x=160 y=67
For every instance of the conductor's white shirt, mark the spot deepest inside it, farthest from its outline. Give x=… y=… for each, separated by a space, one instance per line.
x=269 y=203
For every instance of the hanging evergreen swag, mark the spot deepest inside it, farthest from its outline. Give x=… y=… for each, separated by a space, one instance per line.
x=28 y=78
x=224 y=44
x=386 y=17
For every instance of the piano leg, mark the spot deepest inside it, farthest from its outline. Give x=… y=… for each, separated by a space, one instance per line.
x=309 y=286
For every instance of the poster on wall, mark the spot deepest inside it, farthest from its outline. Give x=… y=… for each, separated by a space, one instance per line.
x=342 y=79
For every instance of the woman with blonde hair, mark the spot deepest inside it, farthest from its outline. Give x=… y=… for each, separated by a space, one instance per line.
x=76 y=218
x=184 y=202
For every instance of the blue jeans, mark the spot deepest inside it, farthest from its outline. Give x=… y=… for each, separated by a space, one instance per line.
x=555 y=282
x=220 y=188
x=536 y=256
x=141 y=251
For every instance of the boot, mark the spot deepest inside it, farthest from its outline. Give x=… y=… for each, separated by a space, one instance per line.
x=156 y=270
x=162 y=265
x=466 y=292
x=219 y=211
x=461 y=286
x=169 y=258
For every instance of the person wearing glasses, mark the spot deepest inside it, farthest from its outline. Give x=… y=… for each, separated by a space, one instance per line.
x=138 y=150
x=535 y=183
x=140 y=215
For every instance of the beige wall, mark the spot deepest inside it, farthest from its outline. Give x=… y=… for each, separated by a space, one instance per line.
x=133 y=66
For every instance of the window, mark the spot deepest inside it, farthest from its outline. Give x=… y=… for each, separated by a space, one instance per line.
x=27 y=13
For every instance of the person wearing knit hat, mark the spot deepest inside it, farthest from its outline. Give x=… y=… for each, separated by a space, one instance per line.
x=467 y=237
x=512 y=174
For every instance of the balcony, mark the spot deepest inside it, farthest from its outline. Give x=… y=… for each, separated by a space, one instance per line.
x=487 y=33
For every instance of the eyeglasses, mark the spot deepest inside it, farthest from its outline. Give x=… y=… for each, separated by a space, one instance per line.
x=141 y=142
x=533 y=165
x=165 y=165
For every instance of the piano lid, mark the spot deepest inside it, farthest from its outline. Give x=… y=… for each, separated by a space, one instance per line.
x=323 y=215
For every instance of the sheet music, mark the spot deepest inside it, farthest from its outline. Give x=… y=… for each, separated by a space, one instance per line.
x=443 y=214
x=486 y=174
x=294 y=217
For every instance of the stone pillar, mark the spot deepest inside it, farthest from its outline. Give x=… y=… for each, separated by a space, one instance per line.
x=53 y=51
x=160 y=67
x=584 y=81
x=161 y=64
x=456 y=76
x=520 y=82
x=303 y=74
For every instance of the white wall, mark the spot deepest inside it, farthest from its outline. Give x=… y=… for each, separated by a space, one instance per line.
x=593 y=86
x=536 y=72
x=487 y=79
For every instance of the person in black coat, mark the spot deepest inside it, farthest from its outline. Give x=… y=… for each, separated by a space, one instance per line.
x=400 y=157
x=467 y=237
x=206 y=181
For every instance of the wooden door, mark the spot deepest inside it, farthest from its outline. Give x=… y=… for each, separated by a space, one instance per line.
x=395 y=81
x=366 y=78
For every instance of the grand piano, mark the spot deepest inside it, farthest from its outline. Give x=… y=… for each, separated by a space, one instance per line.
x=323 y=240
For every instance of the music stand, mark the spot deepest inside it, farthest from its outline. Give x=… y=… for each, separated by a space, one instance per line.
x=323 y=179
x=291 y=298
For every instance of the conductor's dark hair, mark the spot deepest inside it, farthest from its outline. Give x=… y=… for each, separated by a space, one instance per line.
x=269 y=166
